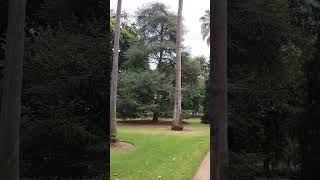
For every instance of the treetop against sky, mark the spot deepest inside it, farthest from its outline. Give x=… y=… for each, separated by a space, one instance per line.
x=192 y=11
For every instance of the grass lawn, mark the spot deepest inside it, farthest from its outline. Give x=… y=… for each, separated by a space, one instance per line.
x=160 y=153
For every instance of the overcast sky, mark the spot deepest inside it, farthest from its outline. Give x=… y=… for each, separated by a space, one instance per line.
x=191 y=12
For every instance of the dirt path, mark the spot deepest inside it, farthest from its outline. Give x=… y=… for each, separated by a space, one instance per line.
x=203 y=172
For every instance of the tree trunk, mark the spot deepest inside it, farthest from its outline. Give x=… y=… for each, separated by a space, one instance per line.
x=160 y=65
x=155 y=117
x=266 y=165
x=11 y=92
x=177 y=119
x=218 y=104
x=114 y=79
x=309 y=134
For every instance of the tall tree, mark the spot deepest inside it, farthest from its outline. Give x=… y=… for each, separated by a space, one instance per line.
x=218 y=103
x=158 y=28
x=205 y=31
x=11 y=93
x=114 y=78
x=177 y=116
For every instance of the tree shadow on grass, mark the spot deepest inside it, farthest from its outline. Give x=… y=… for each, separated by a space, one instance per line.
x=147 y=122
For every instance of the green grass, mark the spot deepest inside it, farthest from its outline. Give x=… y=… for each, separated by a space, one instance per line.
x=159 y=151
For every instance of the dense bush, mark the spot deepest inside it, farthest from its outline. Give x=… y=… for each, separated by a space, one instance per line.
x=244 y=166
x=64 y=102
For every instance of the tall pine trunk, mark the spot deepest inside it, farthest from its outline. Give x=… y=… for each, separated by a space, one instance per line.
x=114 y=78
x=218 y=104
x=177 y=118
x=11 y=92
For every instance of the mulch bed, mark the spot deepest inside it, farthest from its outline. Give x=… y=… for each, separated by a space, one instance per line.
x=122 y=145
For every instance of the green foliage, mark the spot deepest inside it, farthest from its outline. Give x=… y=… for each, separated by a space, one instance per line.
x=152 y=17
x=64 y=101
x=136 y=56
x=131 y=55
x=53 y=12
x=194 y=72
x=144 y=91
x=157 y=27
x=265 y=71
x=244 y=166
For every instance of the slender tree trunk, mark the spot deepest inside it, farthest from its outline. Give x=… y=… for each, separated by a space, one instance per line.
x=177 y=119
x=218 y=105
x=114 y=78
x=11 y=92
x=155 y=117
x=160 y=62
x=160 y=66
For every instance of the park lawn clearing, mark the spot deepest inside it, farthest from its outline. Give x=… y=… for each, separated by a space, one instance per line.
x=160 y=153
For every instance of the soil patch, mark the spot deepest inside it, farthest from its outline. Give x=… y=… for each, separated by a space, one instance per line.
x=147 y=122
x=122 y=145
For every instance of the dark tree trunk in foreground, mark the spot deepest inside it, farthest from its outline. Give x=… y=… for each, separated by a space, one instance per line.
x=177 y=117
x=218 y=111
x=310 y=125
x=11 y=93
x=155 y=117
x=114 y=78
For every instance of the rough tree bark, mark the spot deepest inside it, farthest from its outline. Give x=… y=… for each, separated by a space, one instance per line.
x=11 y=92
x=177 y=117
x=218 y=92
x=114 y=78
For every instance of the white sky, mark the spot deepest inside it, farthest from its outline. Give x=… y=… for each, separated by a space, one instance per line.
x=192 y=11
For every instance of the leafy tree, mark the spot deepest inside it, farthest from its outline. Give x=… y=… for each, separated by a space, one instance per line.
x=136 y=57
x=194 y=75
x=128 y=37
x=158 y=28
x=205 y=32
x=144 y=91
x=141 y=92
